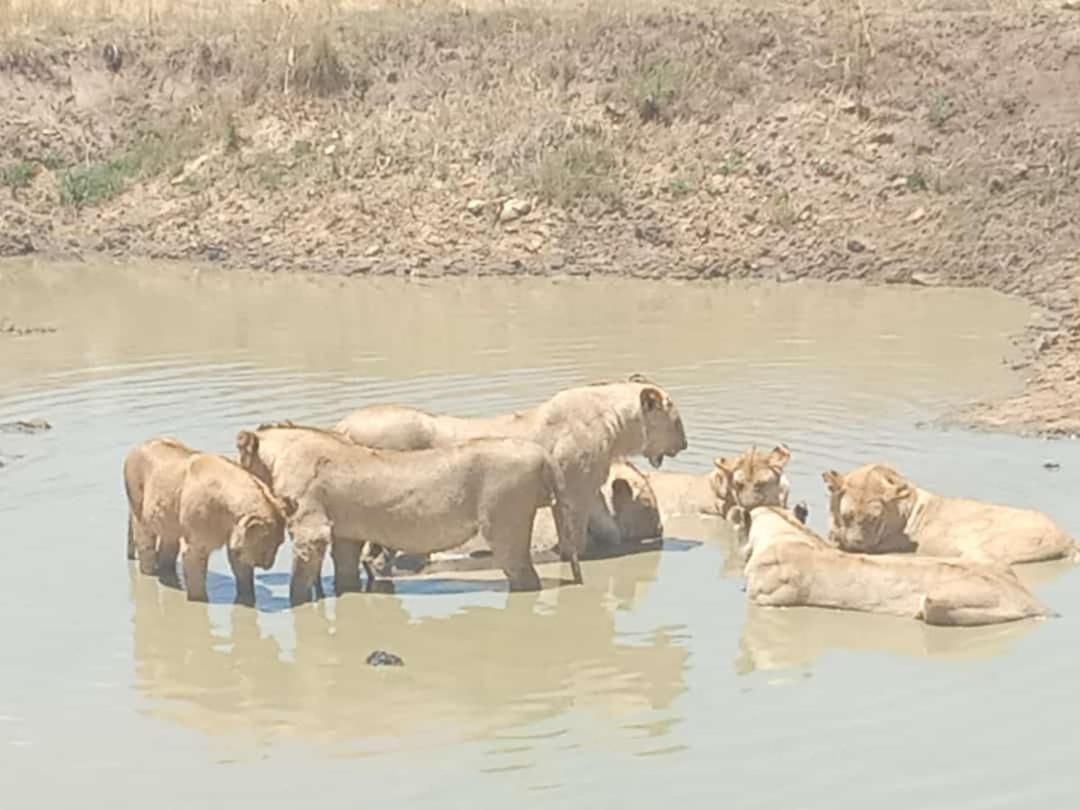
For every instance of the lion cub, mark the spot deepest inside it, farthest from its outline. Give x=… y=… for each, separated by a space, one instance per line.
x=748 y=480
x=179 y=497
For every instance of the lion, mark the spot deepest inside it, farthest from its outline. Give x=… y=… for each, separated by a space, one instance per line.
x=179 y=498
x=584 y=429
x=624 y=515
x=874 y=509
x=788 y=565
x=417 y=502
x=750 y=479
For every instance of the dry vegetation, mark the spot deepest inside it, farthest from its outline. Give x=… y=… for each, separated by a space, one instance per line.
x=911 y=142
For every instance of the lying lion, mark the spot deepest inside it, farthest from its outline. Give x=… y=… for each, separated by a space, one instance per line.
x=788 y=566
x=874 y=509
x=583 y=428
x=178 y=497
x=748 y=480
x=417 y=502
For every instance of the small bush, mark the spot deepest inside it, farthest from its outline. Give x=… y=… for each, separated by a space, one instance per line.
x=94 y=182
x=916 y=180
x=782 y=210
x=576 y=171
x=681 y=187
x=655 y=91
x=18 y=175
x=319 y=69
x=939 y=109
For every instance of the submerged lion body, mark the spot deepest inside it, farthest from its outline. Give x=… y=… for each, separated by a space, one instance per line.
x=788 y=566
x=875 y=509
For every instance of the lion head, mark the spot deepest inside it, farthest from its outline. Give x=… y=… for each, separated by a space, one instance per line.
x=257 y=537
x=633 y=505
x=662 y=424
x=753 y=479
x=869 y=508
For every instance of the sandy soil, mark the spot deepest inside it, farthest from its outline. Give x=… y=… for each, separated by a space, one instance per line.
x=889 y=142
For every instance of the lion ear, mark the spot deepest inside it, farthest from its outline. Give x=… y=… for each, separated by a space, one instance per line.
x=651 y=399
x=246 y=522
x=778 y=457
x=288 y=506
x=897 y=487
x=247 y=444
x=833 y=480
x=621 y=492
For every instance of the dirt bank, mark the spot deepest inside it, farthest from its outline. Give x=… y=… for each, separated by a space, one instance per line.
x=844 y=139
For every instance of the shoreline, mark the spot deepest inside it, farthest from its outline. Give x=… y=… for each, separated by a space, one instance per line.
x=718 y=141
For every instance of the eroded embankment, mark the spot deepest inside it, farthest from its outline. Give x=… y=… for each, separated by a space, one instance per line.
x=889 y=144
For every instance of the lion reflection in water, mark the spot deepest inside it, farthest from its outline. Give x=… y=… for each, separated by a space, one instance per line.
x=479 y=671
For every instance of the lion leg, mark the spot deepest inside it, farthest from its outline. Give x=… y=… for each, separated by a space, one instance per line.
x=310 y=539
x=167 y=552
x=510 y=538
x=578 y=541
x=195 y=561
x=245 y=579
x=131 y=537
x=145 y=546
x=346 y=557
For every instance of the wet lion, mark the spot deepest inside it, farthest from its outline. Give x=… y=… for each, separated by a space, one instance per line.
x=790 y=566
x=182 y=499
x=624 y=516
x=749 y=479
x=583 y=428
x=416 y=502
x=874 y=509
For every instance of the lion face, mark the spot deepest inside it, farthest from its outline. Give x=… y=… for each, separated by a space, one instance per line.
x=867 y=507
x=753 y=479
x=663 y=426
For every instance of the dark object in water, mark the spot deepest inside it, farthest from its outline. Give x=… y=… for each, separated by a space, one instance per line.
x=25 y=426
x=381 y=658
x=1050 y=464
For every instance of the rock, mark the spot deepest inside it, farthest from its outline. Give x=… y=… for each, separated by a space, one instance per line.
x=856 y=245
x=373 y=250
x=476 y=207
x=996 y=184
x=917 y=215
x=882 y=137
x=925 y=279
x=328 y=151
x=1020 y=171
x=381 y=658
x=514 y=208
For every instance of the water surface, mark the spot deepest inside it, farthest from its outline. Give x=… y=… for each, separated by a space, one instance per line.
x=655 y=682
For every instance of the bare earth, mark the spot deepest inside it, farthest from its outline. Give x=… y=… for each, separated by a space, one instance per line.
x=892 y=142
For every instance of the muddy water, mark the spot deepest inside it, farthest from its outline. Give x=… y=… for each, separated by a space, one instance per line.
x=652 y=683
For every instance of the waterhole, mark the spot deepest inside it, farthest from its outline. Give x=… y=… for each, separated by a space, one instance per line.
x=652 y=683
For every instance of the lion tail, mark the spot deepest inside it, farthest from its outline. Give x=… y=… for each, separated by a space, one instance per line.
x=560 y=511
